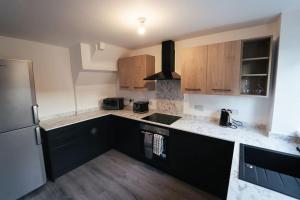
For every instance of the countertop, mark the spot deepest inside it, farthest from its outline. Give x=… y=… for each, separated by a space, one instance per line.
x=238 y=189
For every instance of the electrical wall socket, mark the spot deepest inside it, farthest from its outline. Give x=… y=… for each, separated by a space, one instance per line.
x=198 y=107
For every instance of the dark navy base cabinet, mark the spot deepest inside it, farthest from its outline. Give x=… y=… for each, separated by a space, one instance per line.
x=202 y=161
x=71 y=146
x=126 y=136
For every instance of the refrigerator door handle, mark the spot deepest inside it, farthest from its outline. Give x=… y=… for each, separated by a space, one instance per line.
x=38 y=135
x=35 y=114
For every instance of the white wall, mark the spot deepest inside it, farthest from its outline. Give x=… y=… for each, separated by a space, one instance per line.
x=91 y=87
x=250 y=109
x=253 y=110
x=286 y=118
x=52 y=72
x=106 y=59
x=94 y=73
x=56 y=85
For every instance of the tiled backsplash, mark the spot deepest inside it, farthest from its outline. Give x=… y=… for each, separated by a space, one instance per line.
x=168 y=96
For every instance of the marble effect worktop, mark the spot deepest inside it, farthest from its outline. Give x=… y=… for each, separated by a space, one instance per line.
x=238 y=189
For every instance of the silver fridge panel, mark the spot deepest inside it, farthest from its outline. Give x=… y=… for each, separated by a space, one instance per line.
x=17 y=95
x=22 y=167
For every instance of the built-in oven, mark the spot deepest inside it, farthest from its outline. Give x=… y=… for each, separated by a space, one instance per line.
x=154 y=143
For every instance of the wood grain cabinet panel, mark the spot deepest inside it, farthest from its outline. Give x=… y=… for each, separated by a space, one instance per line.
x=194 y=65
x=223 y=68
x=133 y=70
x=124 y=72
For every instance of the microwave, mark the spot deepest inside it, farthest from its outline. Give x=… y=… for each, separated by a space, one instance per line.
x=113 y=103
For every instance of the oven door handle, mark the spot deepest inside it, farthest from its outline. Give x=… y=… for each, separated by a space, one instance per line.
x=146 y=132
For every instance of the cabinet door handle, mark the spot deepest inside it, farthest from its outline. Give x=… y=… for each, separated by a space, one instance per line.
x=145 y=132
x=193 y=89
x=221 y=90
x=141 y=87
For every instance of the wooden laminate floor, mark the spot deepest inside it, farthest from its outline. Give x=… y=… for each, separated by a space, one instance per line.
x=115 y=176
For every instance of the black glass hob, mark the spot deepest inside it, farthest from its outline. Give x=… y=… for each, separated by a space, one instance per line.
x=162 y=118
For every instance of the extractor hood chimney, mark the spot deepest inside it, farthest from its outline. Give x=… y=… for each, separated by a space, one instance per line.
x=168 y=63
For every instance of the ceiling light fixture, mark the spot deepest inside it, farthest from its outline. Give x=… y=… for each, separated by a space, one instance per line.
x=141 y=29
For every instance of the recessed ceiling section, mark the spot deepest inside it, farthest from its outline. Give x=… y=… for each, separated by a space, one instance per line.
x=67 y=22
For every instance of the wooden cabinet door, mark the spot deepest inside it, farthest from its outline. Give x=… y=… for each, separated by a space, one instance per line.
x=223 y=70
x=125 y=70
x=193 y=76
x=139 y=72
x=143 y=66
x=133 y=70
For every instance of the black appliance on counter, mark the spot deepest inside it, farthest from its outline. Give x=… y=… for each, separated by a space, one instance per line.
x=225 y=118
x=162 y=118
x=115 y=103
x=227 y=121
x=140 y=106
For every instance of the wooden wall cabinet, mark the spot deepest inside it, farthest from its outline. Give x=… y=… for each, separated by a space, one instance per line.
x=133 y=70
x=212 y=69
x=125 y=73
x=229 y=68
x=223 y=68
x=194 y=66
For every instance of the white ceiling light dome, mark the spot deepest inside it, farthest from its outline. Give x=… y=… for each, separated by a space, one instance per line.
x=141 y=28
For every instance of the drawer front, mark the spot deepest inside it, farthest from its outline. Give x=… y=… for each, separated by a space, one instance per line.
x=69 y=156
x=61 y=136
x=71 y=146
x=96 y=127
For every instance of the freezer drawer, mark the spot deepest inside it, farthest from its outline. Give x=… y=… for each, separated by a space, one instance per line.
x=17 y=96
x=22 y=165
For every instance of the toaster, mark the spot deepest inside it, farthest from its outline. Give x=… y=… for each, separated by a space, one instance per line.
x=140 y=106
x=113 y=103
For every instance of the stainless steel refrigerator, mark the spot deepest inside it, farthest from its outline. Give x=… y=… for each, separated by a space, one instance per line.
x=22 y=167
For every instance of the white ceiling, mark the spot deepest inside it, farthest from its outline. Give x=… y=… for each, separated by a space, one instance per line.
x=66 y=22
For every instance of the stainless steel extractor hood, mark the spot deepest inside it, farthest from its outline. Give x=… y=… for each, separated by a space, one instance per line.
x=168 y=63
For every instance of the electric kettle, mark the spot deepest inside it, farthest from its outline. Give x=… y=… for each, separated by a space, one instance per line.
x=225 y=118
x=227 y=121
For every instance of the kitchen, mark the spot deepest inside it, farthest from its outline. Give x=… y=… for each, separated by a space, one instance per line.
x=129 y=100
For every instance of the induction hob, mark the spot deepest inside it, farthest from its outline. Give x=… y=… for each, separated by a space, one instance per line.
x=162 y=118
